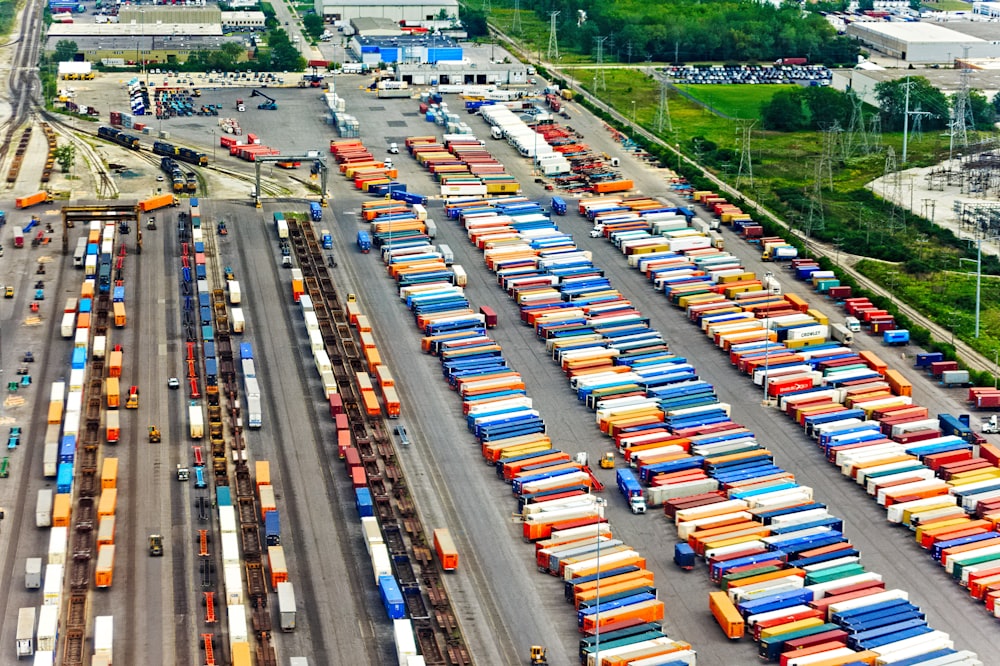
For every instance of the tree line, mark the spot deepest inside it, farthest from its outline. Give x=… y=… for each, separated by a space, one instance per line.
x=695 y=30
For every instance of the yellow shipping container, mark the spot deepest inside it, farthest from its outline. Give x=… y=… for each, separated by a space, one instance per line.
x=109 y=473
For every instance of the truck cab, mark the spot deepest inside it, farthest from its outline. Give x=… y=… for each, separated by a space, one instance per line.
x=991 y=425
x=133 y=398
x=155 y=545
x=631 y=490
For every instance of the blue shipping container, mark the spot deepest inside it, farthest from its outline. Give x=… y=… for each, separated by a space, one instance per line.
x=246 y=350
x=272 y=528
x=64 y=478
x=223 y=497
x=363 y=501
x=392 y=598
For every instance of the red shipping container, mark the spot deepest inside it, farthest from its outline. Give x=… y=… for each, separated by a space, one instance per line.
x=336 y=405
x=358 y=477
x=352 y=459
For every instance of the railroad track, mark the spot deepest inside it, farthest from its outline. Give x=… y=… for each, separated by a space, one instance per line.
x=22 y=83
x=434 y=620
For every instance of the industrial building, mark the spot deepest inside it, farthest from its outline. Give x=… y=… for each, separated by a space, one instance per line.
x=411 y=11
x=429 y=49
x=514 y=74
x=122 y=51
x=242 y=21
x=921 y=42
x=988 y=9
x=948 y=81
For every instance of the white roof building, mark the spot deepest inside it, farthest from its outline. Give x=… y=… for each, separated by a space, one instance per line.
x=919 y=42
x=397 y=10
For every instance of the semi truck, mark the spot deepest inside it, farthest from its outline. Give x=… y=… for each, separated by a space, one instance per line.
x=364 y=242
x=159 y=201
x=33 y=573
x=196 y=420
x=286 y=606
x=43 y=507
x=631 y=490
x=26 y=632
x=33 y=199
x=315 y=211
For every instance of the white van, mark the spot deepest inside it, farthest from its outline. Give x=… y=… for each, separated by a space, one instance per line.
x=853 y=324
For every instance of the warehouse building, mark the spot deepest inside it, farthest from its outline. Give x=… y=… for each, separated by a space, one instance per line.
x=411 y=11
x=119 y=51
x=469 y=73
x=988 y=9
x=372 y=26
x=404 y=49
x=923 y=42
x=242 y=21
x=948 y=81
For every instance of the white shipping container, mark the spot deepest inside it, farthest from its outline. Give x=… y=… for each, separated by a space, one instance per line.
x=381 y=563
x=235 y=295
x=233 y=578
x=227 y=519
x=306 y=303
x=237 y=624
x=77 y=376
x=322 y=360
x=406 y=643
x=71 y=423
x=372 y=533
x=249 y=368
x=74 y=402
x=43 y=508
x=103 y=636
x=312 y=323
x=329 y=383
x=316 y=340
x=68 y=325
x=230 y=548
x=81 y=338
x=52 y=588
x=239 y=323
x=57 y=545
x=48 y=621
x=286 y=606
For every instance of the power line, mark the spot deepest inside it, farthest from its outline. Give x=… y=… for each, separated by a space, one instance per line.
x=599 y=81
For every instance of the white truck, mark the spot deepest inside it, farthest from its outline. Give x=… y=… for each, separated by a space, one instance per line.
x=239 y=323
x=286 y=606
x=254 y=415
x=235 y=295
x=104 y=637
x=26 y=632
x=48 y=623
x=43 y=508
x=33 y=573
x=196 y=420
x=841 y=333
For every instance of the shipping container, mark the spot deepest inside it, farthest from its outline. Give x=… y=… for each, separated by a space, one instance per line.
x=445 y=548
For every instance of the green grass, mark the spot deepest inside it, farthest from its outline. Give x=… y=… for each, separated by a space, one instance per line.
x=948 y=6
x=738 y=100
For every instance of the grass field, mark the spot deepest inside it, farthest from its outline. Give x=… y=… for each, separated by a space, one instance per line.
x=948 y=6
x=738 y=100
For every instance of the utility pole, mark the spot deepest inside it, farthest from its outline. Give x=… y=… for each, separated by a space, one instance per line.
x=906 y=118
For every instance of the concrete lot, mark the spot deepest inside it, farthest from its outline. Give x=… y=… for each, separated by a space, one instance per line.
x=503 y=603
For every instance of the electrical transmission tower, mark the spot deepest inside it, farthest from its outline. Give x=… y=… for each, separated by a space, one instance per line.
x=856 y=139
x=746 y=160
x=553 y=41
x=963 y=120
x=875 y=133
x=663 y=111
x=599 y=82
x=892 y=191
x=815 y=219
x=831 y=137
x=515 y=26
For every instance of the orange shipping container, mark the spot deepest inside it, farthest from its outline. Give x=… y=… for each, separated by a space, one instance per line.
x=262 y=473
x=899 y=384
x=109 y=473
x=391 y=398
x=55 y=413
x=384 y=376
x=61 y=510
x=109 y=498
x=83 y=319
x=111 y=385
x=119 y=310
x=276 y=563
x=105 y=572
x=106 y=531
x=115 y=360
x=445 y=547
x=726 y=615
x=647 y=611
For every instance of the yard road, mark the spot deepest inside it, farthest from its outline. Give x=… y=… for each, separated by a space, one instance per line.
x=326 y=558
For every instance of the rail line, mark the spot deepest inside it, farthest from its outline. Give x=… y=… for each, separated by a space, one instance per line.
x=22 y=82
x=434 y=621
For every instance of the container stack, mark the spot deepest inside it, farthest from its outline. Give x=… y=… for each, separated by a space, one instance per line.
x=775 y=550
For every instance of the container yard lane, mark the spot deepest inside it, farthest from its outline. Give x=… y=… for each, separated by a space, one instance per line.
x=22 y=331
x=327 y=562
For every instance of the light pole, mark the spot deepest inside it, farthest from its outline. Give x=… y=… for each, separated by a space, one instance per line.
x=633 y=113
x=601 y=503
x=771 y=291
x=213 y=144
x=892 y=286
x=996 y=366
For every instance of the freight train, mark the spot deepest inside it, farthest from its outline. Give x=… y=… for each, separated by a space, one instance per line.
x=173 y=170
x=182 y=154
x=119 y=137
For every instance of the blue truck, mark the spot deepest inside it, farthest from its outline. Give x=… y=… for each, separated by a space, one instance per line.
x=327 y=239
x=899 y=336
x=558 y=205
x=630 y=488
x=364 y=242
x=315 y=211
